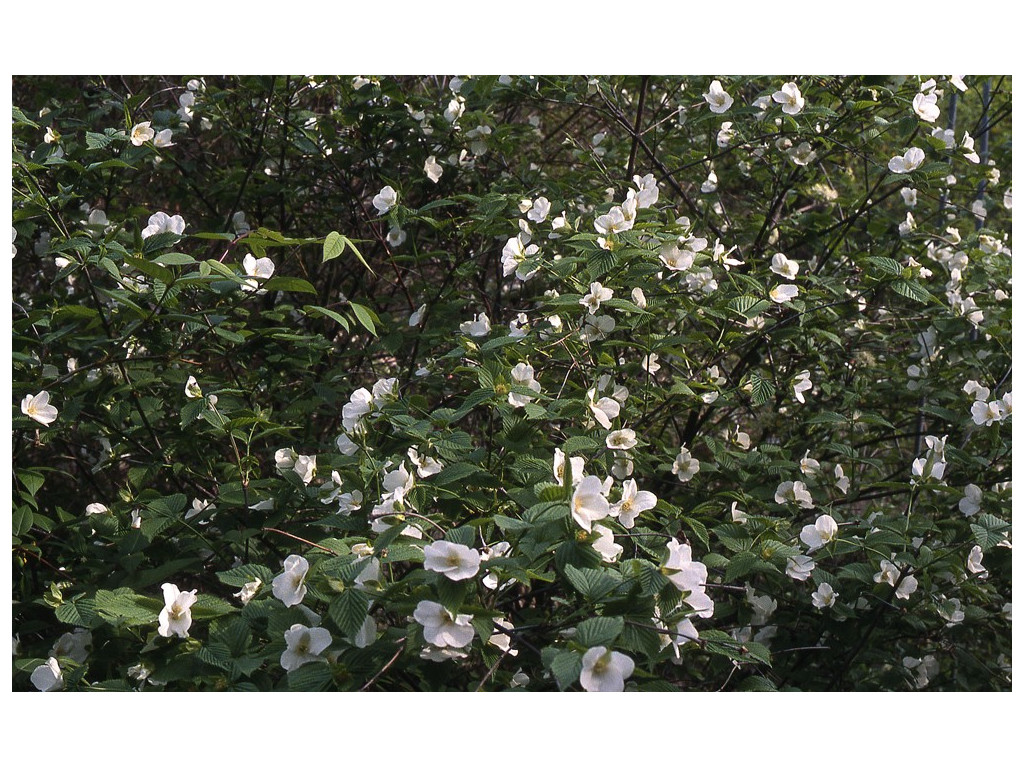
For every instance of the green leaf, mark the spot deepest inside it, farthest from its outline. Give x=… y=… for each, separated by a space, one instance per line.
x=291 y=284
x=761 y=389
x=600 y=630
x=243 y=574
x=349 y=610
x=565 y=665
x=334 y=246
x=592 y=583
x=314 y=676
x=365 y=316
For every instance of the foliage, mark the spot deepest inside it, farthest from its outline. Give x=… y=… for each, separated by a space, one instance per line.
x=340 y=356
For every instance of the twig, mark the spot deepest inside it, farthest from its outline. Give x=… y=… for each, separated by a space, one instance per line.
x=304 y=541
x=392 y=660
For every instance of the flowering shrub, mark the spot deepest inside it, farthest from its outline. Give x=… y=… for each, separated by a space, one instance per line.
x=506 y=382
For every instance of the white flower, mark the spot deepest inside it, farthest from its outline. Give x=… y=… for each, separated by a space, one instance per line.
x=824 y=596
x=909 y=195
x=51 y=136
x=736 y=514
x=456 y=561
x=163 y=139
x=794 y=493
x=38 y=407
x=480 y=326
x=906 y=588
x=248 y=591
x=522 y=375
x=675 y=258
x=605 y=544
x=160 y=222
x=910 y=161
x=289 y=587
x=262 y=268
x=808 y=465
x=925 y=107
x=685 y=466
x=802 y=154
x=790 y=99
x=604 y=410
x=305 y=468
x=441 y=628
x=357 y=407
x=385 y=200
x=598 y=293
x=799 y=567
x=74 y=645
x=967 y=148
x=710 y=184
x=304 y=645
x=842 y=481
x=515 y=253
x=950 y=610
x=501 y=640
x=983 y=413
x=192 y=389
x=784 y=267
x=632 y=503
x=970 y=504
x=590 y=502
x=718 y=100
x=647 y=191
x=821 y=533
x=639 y=299
x=595 y=327
x=48 y=677
x=575 y=468
x=539 y=210
x=96 y=509
x=454 y=109
x=604 y=670
x=908 y=225
x=802 y=383
x=433 y=170
x=780 y=294
x=142 y=133
x=974 y=562
x=690 y=577
x=176 y=616
x=725 y=135
x=426 y=466
x=621 y=439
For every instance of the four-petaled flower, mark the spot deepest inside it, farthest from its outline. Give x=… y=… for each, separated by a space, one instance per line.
x=604 y=670
x=632 y=503
x=910 y=161
x=718 y=100
x=441 y=628
x=290 y=586
x=48 y=676
x=262 y=268
x=38 y=407
x=598 y=293
x=456 y=561
x=802 y=383
x=685 y=466
x=433 y=170
x=821 y=533
x=142 y=133
x=522 y=376
x=780 y=294
x=824 y=596
x=590 y=502
x=795 y=493
x=176 y=616
x=160 y=222
x=385 y=200
x=305 y=644
x=790 y=98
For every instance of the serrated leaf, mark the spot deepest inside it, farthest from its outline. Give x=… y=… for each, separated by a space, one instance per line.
x=599 y=630
x=566 y=665
x=349 y=610
x=244 y=574
x=592 y=583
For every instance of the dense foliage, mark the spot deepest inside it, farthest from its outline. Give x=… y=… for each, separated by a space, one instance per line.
x=665 y=383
